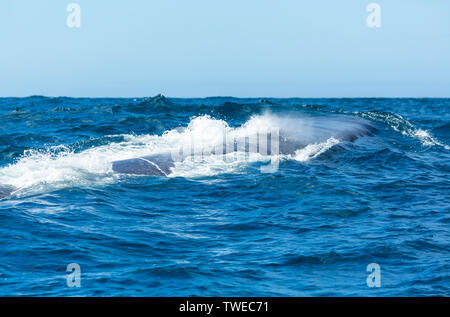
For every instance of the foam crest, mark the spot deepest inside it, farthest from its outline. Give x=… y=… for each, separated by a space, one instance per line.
x=403 y=126
x=425 y=138
x=313 y=150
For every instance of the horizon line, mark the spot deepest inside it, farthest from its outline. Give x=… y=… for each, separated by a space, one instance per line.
x=224 y=96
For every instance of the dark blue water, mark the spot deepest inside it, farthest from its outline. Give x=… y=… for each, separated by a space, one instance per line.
x=221 y=228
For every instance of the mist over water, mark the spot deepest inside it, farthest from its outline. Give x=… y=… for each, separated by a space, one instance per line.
x=357 y=181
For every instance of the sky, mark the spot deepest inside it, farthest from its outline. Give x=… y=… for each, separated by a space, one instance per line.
x=242 y=48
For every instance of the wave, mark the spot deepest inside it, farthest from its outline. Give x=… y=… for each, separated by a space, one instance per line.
x=399 y=124
x=314 y=150
x=149 y=104
x=443 y=130
x=302 y=138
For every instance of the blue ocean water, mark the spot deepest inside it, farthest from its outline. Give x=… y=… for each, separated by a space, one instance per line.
x=220 y=227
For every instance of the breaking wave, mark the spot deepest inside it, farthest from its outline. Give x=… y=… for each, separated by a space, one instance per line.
x=403 y=126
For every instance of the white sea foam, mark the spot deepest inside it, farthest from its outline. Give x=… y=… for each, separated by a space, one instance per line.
x=313 y=150
x=426 y=139
x=61 y=167
x=403 y=126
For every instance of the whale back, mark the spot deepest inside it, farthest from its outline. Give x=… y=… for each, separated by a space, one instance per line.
x=152 y=165
x=291 y=133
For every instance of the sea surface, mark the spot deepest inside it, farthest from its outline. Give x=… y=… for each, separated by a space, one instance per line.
x=366 y=182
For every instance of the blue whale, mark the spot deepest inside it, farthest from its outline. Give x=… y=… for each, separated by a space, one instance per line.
x=152 y=165
x=291 y=137
x=320 y=129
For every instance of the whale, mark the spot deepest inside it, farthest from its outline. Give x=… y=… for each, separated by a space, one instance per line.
x=274 y=136
x=290 y=139
x=152 y=165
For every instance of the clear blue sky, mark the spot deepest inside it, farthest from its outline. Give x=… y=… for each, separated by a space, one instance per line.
x=244 y=48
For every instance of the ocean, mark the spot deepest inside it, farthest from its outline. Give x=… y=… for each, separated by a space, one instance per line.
x=358 y=184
